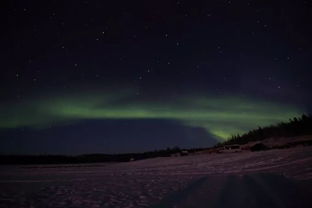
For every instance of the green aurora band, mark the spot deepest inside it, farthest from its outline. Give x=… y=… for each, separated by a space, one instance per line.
x=221 y=116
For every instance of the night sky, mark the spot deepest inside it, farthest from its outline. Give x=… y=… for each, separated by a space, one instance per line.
x=129 y=76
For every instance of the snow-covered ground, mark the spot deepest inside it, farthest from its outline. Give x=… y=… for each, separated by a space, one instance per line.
x=275 y=178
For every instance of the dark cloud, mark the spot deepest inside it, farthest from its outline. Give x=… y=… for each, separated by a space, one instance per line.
x=104 y=136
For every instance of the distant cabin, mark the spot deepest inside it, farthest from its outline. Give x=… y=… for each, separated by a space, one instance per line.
x=184 y=152
x=231 y=148
x=181 y=153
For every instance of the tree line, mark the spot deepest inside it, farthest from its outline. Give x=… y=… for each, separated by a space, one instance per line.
x=297 y=126
x=89 y=158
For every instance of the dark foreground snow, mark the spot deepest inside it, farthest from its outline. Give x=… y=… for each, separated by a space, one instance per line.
x=276 y=178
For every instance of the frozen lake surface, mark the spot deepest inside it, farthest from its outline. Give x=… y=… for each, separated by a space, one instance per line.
x=275 y=178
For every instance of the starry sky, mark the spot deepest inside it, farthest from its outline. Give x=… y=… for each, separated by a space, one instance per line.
x=130 y=76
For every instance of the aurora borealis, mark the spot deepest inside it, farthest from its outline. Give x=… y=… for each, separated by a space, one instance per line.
x=222 y=116
x=98 y=76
